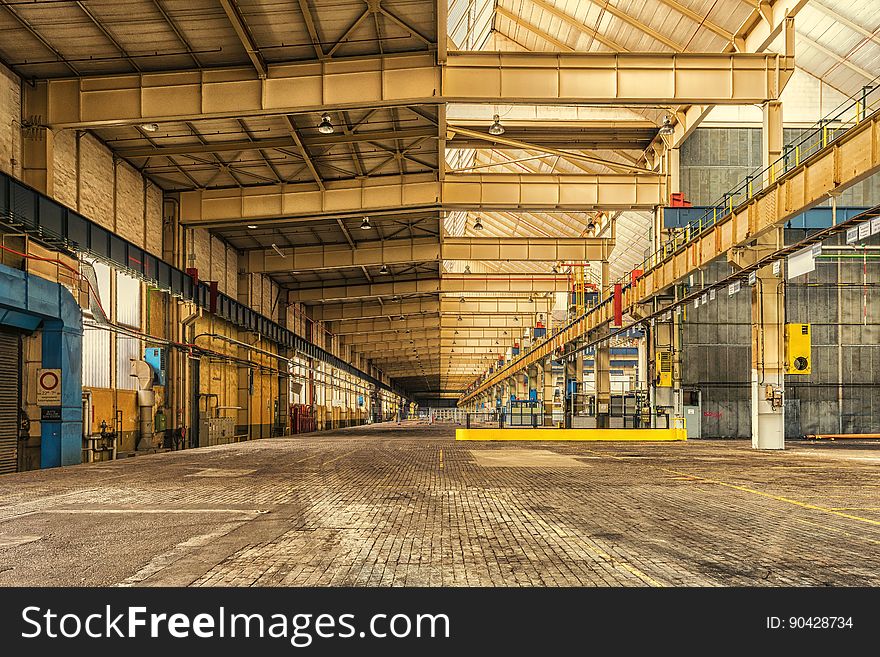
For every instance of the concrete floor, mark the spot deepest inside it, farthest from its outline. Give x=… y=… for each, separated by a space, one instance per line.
x=388 y=505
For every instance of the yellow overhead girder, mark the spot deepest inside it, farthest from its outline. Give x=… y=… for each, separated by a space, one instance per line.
x=412 y=79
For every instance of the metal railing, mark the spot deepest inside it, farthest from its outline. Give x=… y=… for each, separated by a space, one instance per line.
x=824 y=132
x=850 y=113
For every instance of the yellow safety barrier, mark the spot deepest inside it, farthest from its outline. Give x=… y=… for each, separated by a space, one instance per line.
x=539 y=435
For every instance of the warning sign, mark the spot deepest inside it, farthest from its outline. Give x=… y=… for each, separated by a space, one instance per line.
x=48 y=387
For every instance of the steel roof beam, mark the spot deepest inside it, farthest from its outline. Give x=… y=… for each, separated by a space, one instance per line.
x=244 y=36
x=515 y=143
x=525 y=249
x=373 y=310
x=273 y=143
x=279 y=204
x=395 y=80
x=39 y=37
x=338 y=256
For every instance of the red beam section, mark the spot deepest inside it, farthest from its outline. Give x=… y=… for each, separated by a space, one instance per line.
x=618 y=304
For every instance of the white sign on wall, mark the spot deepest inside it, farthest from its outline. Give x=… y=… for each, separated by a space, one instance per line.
x=49 y=387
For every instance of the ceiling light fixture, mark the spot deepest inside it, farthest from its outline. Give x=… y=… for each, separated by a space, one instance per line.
x=666 y=128
x=459 y=318
x=384 y=269
x=149 y=127
x=251 y=227
x=496 y=128
x=591 y=226
x=467 y=269
x=325 y=127
x=365 y=224
x=478 y=225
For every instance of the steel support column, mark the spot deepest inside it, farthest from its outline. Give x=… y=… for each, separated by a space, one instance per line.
x=771 y=138
x=548 y=385
x=768 y=369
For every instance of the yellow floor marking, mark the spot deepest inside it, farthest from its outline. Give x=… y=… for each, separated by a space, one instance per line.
x=441 y=459
x=778 y=498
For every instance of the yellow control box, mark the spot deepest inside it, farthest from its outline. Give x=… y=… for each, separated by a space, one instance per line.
x=798 y=345
x=664 y=369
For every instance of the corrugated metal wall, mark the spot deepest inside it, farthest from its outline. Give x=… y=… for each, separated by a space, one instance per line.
x=716 y=338
x=128 y=300
x=126 y=349
x=96 y=358
x=716 y=160
x=10 y=365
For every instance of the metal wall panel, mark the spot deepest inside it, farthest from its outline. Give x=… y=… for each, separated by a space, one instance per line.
x=10 y=351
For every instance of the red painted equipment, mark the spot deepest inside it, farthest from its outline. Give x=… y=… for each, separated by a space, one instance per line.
x=302 y=418
x=677 y=200
x=618 y=304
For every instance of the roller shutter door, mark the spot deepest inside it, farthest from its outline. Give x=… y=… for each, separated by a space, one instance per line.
x=10 y=361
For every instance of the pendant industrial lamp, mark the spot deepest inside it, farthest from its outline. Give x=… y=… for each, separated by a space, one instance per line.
x=365 y=224
x=325 y=127
x=478 y=225
x=496 y=128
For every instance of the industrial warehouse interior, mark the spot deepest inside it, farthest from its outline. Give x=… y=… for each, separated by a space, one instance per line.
x=439 y=293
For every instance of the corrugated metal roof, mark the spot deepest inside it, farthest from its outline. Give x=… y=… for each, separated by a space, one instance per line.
x=123 y=36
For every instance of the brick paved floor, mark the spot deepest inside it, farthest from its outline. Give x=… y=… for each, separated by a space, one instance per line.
x=389 y=506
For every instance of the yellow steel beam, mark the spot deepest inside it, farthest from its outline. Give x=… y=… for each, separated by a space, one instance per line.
x=427 y=346
x=244 y=36
x=375 y=309
x=676 y=78
x=451 y=322
x=483 y=306
x=224 y=208
x=427 y=305
x=699 y=19
x=412 y=79
x=576 y=192
x=578 y=25
x=515 y=143
x=304 y=151
x=769 y=19
x=638 y=25
x=453 y=283
x=524 y=249
x=521 y=22
x=849 y=159
x=356 y=326
x=366 y=291
x=426 y=249
x=421 y=341
x=504 y=283
x=446 y=336
x=303 y=202
x=336 y=256
x=239 y=145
